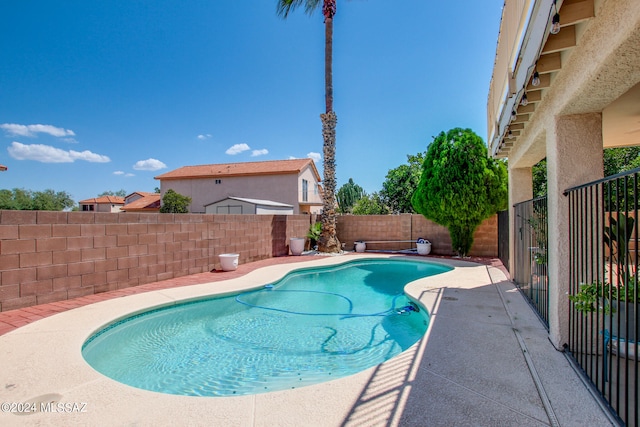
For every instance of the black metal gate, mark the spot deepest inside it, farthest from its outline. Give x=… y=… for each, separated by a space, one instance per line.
x=503 y=238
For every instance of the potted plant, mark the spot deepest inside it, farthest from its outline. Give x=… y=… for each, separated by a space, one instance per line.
x=313 y=234
x=616 y=301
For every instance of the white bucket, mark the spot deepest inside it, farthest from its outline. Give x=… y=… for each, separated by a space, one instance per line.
x=229 y=262
x=424 y=248
x=296 y=244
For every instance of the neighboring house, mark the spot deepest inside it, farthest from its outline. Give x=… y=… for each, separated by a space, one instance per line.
x=102 y=204
x=140 y=201
x=238 y=205
x=293 y=182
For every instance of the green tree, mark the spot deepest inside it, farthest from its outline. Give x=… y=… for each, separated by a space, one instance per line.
x=6 y=200
x=348 y=195
x=119 y=193
x=173 y=202
x=22 y=199
x=400 y=183
x=539 y=176
x=47 y=200
x=615 y=160
x=328 y=241
x=620 y=159
x=371 y=205
x=460 y=185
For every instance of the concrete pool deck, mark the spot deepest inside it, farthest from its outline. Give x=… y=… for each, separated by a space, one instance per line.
x=485 y=361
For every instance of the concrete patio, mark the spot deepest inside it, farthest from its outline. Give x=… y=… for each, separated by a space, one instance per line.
x=485 y=361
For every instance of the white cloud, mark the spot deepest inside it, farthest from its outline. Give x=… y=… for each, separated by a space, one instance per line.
x=49 y=154
x=316 y=157
x=122 y=173
x=202 y=137
x=292 y=157
x=149 y=165
x=256 y=153
x=32 y=130
x=237 y=149
x=118 y=173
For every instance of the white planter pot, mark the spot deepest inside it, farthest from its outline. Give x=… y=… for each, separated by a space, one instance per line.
x=296 y=244
x=424 y=248
x=228 y=262
x=361 y=246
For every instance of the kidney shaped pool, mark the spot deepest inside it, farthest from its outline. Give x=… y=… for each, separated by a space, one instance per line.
x=313 y=325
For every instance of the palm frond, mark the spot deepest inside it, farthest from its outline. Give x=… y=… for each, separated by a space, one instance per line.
x=286 y=6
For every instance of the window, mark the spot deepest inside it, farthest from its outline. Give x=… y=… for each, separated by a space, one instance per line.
x=218 y=181
x=305 y=190
x=87 y=207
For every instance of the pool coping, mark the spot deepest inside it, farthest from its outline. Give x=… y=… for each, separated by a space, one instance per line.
x=43 y=361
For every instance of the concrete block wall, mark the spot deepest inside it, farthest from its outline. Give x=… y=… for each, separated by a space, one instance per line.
x=53 y=256
x=411 y=227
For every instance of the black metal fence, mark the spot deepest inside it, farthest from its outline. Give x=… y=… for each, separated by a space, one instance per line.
x=530 y=264
x=603 y=335
x=503 y=237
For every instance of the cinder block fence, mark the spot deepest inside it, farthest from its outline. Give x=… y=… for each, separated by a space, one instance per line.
x=52 y=256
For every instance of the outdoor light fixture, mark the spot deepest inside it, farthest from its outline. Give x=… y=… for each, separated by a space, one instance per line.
x=535 y=81
x=555 y=22
x=513 y=114
x=524 y=101
x=510 y=133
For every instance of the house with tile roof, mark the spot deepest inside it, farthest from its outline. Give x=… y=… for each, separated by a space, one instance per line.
x=102 y=204
x=141 y=201
x=294 y=182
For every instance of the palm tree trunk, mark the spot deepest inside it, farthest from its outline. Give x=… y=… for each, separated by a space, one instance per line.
x=328 y=241
x=329 y=9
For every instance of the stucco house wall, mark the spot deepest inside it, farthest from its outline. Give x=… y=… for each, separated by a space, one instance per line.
x=283 y=187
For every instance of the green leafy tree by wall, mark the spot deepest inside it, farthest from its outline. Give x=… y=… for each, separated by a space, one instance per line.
x=27 y=200
x=173 y=202
x=460 y=186
x=615 y=160
x=348 y=195
x=371 y=204
x=119 y=193
x=401 y=182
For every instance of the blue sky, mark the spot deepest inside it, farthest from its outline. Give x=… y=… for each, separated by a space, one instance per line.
x=105 y=95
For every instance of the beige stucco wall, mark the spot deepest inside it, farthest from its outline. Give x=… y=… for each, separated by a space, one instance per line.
x=567 y=128
x=604 y=65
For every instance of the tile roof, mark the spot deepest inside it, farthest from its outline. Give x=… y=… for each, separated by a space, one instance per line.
x=141 y=193
x=151 y=201
x=115 y=200
x=272 y=167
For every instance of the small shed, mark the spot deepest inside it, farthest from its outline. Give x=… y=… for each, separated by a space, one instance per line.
x=240 y=205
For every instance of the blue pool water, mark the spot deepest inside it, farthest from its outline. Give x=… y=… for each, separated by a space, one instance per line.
x=313 y=325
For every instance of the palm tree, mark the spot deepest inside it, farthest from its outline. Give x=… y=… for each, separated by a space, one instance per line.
x=328 y=241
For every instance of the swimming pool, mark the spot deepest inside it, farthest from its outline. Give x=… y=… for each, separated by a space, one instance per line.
x=313 y=325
